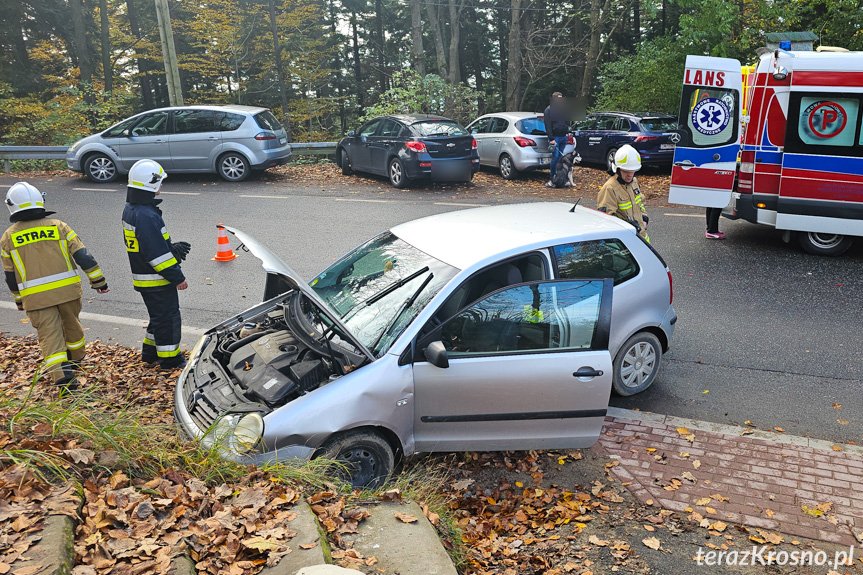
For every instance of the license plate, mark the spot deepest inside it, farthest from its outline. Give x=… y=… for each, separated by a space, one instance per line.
x=544 y=160
x=283 y=140
x=666 y=146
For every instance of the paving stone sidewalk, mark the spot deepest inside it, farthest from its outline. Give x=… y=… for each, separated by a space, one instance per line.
x=788 y=484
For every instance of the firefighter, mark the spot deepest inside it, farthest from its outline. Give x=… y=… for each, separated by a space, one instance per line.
x=155 y=263
x=620 y=196
x=39 y=256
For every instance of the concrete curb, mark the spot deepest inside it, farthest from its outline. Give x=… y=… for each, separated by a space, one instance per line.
x=55 y=552
x=308 y=533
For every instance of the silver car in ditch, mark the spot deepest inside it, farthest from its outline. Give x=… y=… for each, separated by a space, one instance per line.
x=513 y=142
x=493 y=328
x=231 y=141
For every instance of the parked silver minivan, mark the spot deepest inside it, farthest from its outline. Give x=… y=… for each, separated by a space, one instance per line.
x=513 y=142
x=229 y=140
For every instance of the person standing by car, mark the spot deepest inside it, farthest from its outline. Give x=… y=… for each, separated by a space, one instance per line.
x=43 y=279
x=156 y=272
x=556 y=127
x=620 y=196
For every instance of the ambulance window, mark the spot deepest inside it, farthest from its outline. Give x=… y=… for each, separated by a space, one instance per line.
x=710 y=115
x=828 y=121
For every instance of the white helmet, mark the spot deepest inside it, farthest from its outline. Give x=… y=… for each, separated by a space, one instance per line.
x=146 y=175
x=627 y=158
x=23 y=196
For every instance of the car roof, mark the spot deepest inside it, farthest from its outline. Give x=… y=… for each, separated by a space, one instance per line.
x=214 y=107
x=513 y=115
x=637 y=115
x=412 y=118
x=466 y=237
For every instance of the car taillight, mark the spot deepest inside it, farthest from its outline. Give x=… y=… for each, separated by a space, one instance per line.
x=646 y=138
x=670 y=289
x=266 y=136
x=417 y=147
x=473 y=144
x=524 y=142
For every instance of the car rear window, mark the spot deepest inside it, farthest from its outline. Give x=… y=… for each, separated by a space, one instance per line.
x=596 y=259
x=438 y=128
x=267 y=121
x=658 y=124
x=532 y=126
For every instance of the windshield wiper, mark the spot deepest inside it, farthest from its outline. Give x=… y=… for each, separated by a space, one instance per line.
x=394 y=286
x=405 y=305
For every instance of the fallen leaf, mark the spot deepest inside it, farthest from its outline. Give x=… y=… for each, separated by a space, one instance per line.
x=688 y=476
x=719 y=526
x=683 y=431
x=651 y=542
x=837 y=448
x=696 y=464
x=746 y=432
x=404 y=517
x=779 y=429
x=597 y=541
x=770 y=513
x=837 y=406
x=703 y=501
x=842 y=421
x=749 y=423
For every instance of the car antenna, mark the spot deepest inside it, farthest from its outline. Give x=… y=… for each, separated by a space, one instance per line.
x=575 y=206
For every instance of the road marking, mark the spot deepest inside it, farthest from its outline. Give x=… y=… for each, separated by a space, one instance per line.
x=95 y=190
x=182 y=193
x=5 y=186
x=361 y=200
x=133 y=322
x=275 y=197
x=460 y=204
x=685 y=215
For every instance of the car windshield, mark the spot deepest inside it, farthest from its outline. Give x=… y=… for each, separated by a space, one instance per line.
x=267 y=121
x=532 y=126
x=658 y=124
x=431 y=128
x=118 y=129
x=380 y=287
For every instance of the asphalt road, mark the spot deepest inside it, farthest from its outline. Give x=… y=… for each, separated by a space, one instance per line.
x=766 y=333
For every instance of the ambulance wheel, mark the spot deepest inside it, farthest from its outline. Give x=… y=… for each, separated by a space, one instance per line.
x=507 y=168
x=824 y=244
x=609 y=161
x=637 y=364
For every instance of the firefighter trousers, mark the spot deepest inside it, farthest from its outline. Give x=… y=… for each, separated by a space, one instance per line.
x=162 y=341
x=61 y=338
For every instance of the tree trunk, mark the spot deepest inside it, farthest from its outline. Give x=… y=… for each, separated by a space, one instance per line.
x=417 y=50
x=106 y=47
x=357 y=69
x=514 y=66
x=502 y=35
x=379 y=40
x=280 y=71
x=598 y=17
x=636 y=24
x=455 y=8
x=437 y=36
x=85 y=63
x=143 y=65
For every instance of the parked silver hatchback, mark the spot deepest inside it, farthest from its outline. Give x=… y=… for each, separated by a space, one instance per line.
x=494 y=328
x=513 y=142
x=229 y=140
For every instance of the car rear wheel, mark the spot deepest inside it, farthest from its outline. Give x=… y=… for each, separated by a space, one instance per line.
x=637 y=364
x=100 y=168
x=824 y=244
x=233 y=167
x=364 y=458
x=507 y=168
x=345 y=163
x=398 y=178
x=609 y=161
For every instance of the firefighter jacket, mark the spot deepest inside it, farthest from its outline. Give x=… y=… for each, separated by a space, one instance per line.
x=39 y=258
x=624 y=201
x=148 y=244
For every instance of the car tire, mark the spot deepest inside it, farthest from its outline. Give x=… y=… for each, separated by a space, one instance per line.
x=824 y=244
x=397 y=175
x=364 y=458
x=233 y=167
x=100 y=168
x=345 y=163
x=637 y=364
x=507 y=169
x=609 y=161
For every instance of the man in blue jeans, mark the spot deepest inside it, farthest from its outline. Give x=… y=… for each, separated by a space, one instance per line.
x=556 y=118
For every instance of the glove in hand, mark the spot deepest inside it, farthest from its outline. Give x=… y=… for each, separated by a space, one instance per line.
x=646 y=219
x=181 y=250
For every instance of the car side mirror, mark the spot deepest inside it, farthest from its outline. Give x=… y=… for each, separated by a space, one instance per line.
x=352 y=133
x=435 y=353
x=125 y=133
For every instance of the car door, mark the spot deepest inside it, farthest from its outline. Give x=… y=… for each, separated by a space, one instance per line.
x=360 y=152
x=525 y=367
x=148 y=138
x=496 y=130
x=479 y=130
x=383 y=143
x=195 y=140
x=585 y=140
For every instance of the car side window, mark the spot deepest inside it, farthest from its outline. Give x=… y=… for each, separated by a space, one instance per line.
x=586 y=124
x=606 y=123
x=623 y=125
x=599 y=258
x=390 y=129
x=193 y=121
x=480 y=126
x=228 y=122
x=155 y=124
x=370 y=128
x=498 y=126
x=118 y=129
x=535 y=317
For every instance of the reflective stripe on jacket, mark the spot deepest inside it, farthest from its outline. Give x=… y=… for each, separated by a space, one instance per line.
x=148 y=246
x=623 y=201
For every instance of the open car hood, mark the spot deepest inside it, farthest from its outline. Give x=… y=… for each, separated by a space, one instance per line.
x=274 y=265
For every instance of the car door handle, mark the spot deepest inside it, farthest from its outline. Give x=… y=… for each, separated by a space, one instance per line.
x=160 y=141
x=587 y=372
x=685 y=164
x=212 y=138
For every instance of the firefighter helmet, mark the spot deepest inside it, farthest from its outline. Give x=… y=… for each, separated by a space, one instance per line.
x=23 y=196
x=627 y=158
x=146 y=175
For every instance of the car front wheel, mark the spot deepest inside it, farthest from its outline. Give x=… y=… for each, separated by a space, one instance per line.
x=824 y=244
x=345 y=163
x=398 y=178
x=233 y=167
x=363 y=458
x=637 y=364
x=100 y=168
x=609 y=161
x=507 y=168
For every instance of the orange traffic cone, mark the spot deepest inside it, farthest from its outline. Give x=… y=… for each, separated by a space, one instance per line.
x=224 y=253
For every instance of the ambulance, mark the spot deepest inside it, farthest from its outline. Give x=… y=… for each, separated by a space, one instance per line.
x=800 y=146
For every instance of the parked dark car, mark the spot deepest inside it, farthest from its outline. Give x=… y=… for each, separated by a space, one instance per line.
x=600 y=135
x=410 y=147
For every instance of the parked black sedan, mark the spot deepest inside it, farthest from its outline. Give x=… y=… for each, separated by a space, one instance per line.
x=410 y=147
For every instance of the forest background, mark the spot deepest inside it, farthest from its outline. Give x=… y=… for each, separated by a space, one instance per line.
x=71 y=67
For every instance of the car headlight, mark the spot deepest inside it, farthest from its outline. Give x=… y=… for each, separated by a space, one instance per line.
x=196 y=349
x=235 y=433
x=75 y=146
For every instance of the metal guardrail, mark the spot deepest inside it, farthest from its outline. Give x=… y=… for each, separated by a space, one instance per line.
x=8 y=153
